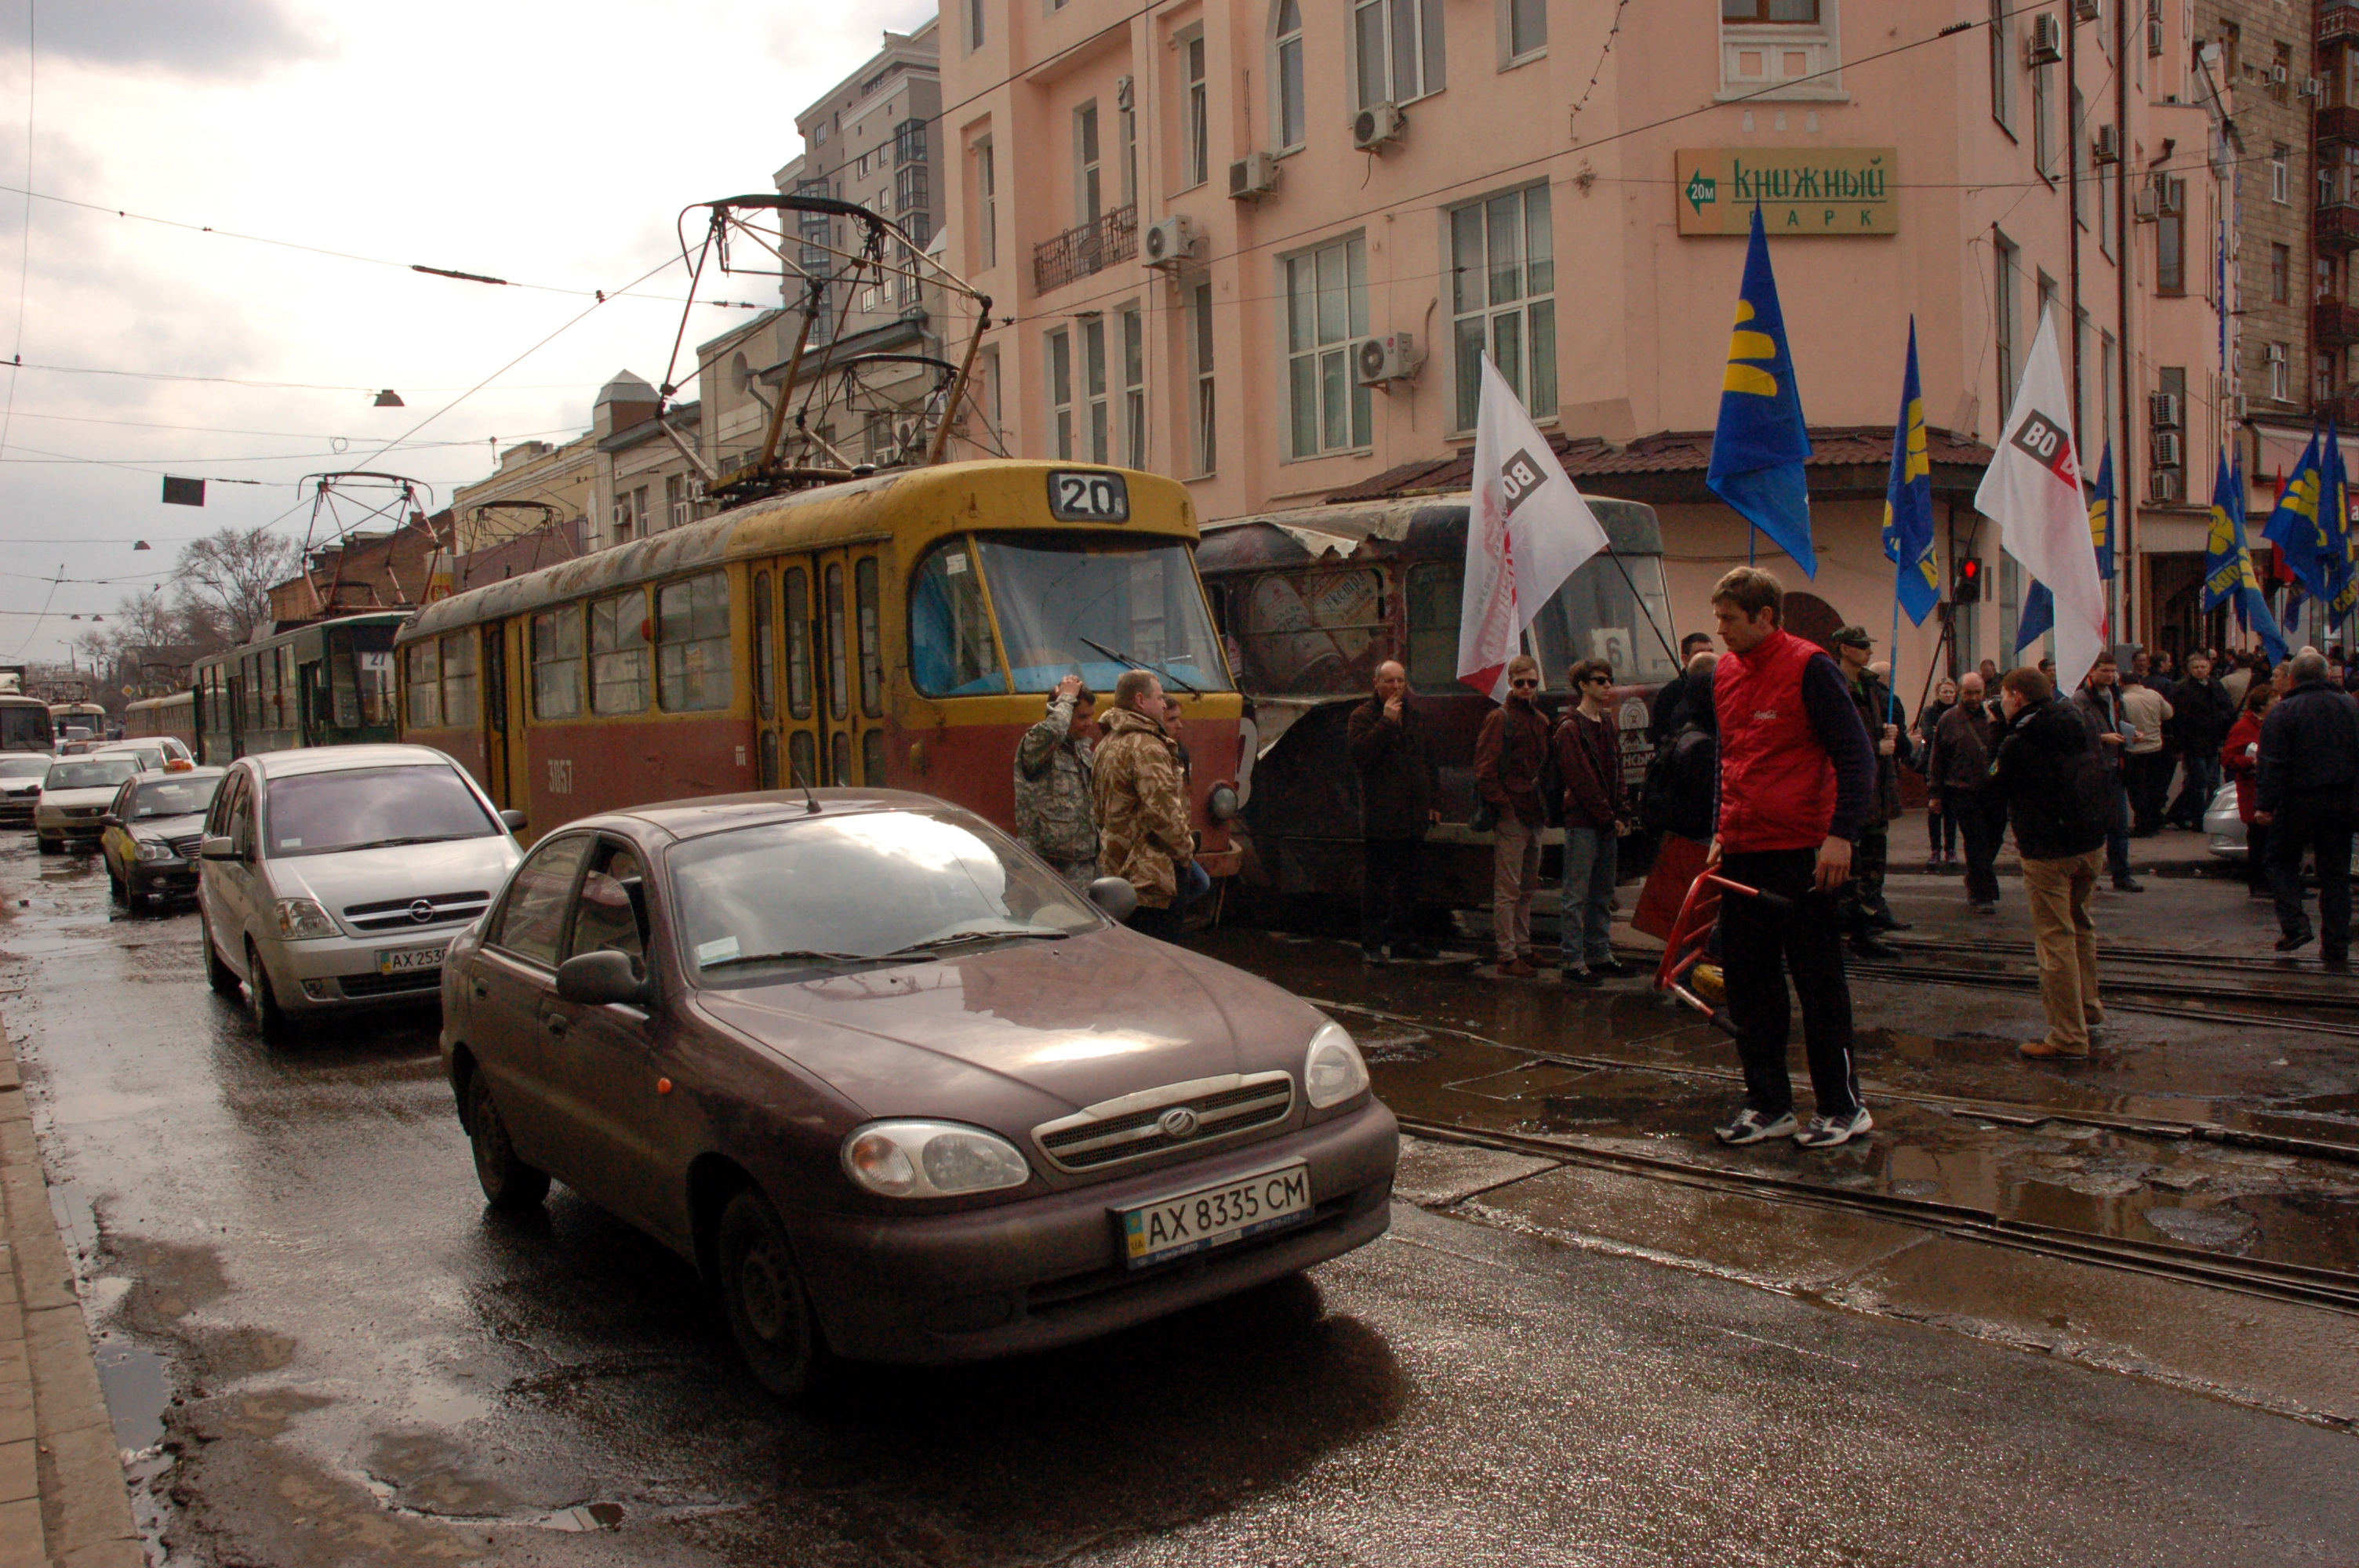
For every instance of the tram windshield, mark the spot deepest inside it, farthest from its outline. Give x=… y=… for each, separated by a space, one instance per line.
x=1615 y=608
x=1065 y=606
x=25 y=729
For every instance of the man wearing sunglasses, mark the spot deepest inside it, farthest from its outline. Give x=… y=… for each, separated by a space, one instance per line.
x=1509 y=756
x=1596 y=814
x=1796 y=787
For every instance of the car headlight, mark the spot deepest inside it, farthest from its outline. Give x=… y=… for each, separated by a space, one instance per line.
x=300 y=918
x=1220 y=806
x=1331 y=1069
x=931 y=1160
x=150 y=850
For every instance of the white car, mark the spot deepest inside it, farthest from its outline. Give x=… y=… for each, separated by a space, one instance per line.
x=74 y=798
x=2224 y=826
x=21 y=776
x=157 y=752
x=336 y=877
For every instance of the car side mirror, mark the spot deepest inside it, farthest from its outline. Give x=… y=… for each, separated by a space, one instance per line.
x=513 y=819
x=219 y=848
x=1116 y=896
x=593 y=980
x=110 y=820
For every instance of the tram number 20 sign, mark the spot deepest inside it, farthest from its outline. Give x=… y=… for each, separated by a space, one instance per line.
x=1088 y=497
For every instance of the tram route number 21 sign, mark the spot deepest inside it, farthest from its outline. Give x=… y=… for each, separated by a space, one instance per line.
x=1085 y=496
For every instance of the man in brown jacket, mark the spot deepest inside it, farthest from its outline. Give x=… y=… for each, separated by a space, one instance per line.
x=1596 y=814
x=1957 y=775
x=1509 y=755
x=1144 y=836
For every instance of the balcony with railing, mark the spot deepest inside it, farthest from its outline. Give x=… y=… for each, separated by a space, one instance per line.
x=2338 y=21
x=2334 y=324
x=2335 y=126
x=1093 y=247
x=2337 y=227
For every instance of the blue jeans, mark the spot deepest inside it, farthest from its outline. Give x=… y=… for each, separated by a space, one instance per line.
x=1585 y=916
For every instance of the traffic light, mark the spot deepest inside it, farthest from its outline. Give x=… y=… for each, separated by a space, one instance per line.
x=1966 y=580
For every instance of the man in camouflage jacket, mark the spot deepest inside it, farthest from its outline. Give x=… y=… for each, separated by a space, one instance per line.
x=1144 y=836
x=1056 y=808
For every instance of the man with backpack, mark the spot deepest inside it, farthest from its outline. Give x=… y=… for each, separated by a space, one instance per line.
x=2060 y=796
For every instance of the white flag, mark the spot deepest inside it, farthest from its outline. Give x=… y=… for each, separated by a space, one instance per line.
x=2033 y=489
x=1527 y=532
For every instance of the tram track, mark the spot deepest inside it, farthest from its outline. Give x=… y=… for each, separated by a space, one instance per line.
x=2115 y=984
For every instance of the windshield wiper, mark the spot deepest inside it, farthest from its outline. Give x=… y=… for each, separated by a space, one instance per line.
x=1138 y=664
x=792 y=954
x=396 y=843
x=1044 y=932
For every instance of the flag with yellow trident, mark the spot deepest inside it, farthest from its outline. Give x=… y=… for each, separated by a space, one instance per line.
x=1909 y=501
x=2294 y=525
x=1761 y=443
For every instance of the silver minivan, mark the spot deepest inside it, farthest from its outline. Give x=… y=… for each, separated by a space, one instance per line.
x=336 y=877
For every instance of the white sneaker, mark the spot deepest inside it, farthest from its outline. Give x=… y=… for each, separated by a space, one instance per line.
x=1832 y=1132
x=1752 y=1127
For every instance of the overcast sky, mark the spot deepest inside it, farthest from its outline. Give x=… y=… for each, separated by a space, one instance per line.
x=543 y=142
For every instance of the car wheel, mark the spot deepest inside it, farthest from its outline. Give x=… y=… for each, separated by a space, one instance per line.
x=115 y=891
x=49 y=846
x=762 y=1291
x=262 y=1000
x=508 y=1182
x=218 y=975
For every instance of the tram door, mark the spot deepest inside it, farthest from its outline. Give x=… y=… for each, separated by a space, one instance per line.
x=821 y=618
x=504 y=765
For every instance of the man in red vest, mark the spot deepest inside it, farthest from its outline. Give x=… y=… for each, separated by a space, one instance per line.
x=1796 y=787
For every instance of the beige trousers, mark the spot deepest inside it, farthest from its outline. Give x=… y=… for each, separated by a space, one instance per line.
x=1515 y=873
x=2060 y=892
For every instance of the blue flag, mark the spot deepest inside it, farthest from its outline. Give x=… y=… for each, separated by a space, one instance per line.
x=2338 y=543
x=2294 y=527
x=2039 y=604
x=2255 y=602
x=2295 y=601
x=1908 y=501
x=1761 y=442
x=2224 y=562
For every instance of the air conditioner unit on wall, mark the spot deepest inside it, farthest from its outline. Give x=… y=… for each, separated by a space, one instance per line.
x=2105 y=145
x=2161 y=486
x=1389 y=358
x=2162 y=410
x=2311 y=87
x=2278 y=75
x=2086 y=10
x=1377 y=126
x=1169 y=243
x=1256 y=174
x=2046 y=44
x=2167 y=451
x=2145 y=204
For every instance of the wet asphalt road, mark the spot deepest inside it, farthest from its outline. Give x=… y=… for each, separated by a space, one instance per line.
x=369 y=1368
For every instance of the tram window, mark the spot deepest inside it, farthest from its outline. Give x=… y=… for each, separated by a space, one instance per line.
x=1058 y=595
x=840 y=760
x=950 y=630
x=693 y=643
x=1319 y=633
x=556 y=663
x=795 y=585
x=765 y=661
x=425 y=687
x=1597 y=616
x=872 y=759
x=1434 y=591
x=802 y=759
x=618 y=654
x=871 y=644
x=839 y=696
x=459 y=680
x=770 y=760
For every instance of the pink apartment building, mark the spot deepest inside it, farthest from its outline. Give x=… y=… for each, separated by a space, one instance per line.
x=1256 y=244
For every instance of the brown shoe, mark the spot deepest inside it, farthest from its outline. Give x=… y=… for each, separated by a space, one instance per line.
x=2049 y=1048
x=1518 y=970
x=2092 y=1016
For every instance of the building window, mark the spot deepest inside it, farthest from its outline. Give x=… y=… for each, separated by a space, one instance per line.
x=1290 y=118
x=2280 y=173
x=2280 y=275
x=2170 y=235
x=2280 y=373
x=1326 y=309
x=2043 y=135
x=987 y=206
x=2002 y=64
x=618 y=654
x=2003 y=329
x=1089 y=196
x=1126 y=126
x=1093 y=371
x=1134 y=387
x=675 y=499
x=556 y=663
x=1396 y=48
x=1527 y=24
x=1060 y=389
x=1196 y=106
x=913 y=203
x=2105 y=391
x=975 y=10
x=1199 y=312
x=1805 y=11
x=1503 y=292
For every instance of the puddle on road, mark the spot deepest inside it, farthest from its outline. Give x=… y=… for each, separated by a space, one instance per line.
x=138 y=1384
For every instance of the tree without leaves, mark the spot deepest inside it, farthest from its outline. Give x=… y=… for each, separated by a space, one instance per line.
x=224 y=579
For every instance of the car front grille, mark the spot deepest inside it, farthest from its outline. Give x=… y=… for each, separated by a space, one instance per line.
x=422 y=982
x=1137 y=1126
x=398 y=914
x=185 y=847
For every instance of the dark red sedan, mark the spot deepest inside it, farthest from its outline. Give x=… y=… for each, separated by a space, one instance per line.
x=899 y=1091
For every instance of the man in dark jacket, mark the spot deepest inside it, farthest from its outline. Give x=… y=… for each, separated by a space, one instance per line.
x=1400 y=782
x=1676 y=696
x=1596 y=813
x=1679 y=781
x=1864 y=911
x=2058 y=795
x=1957 y=779
x=2201 y=714
x=1509 y=755
x=2099 y=703
x=2308 y=778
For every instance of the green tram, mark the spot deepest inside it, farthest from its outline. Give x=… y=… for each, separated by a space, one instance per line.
x=328 y=684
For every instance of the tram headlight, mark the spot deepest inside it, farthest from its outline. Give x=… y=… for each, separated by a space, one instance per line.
x=1220 y=806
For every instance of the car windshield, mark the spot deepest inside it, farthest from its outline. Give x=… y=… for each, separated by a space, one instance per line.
x=92 y=773
x=1082 y=607
x=837 y=890
x=22 y=767
x=174 y=797
x=362 y=808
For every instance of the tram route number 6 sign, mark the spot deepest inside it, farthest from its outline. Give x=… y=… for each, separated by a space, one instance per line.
x=1088 y=497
